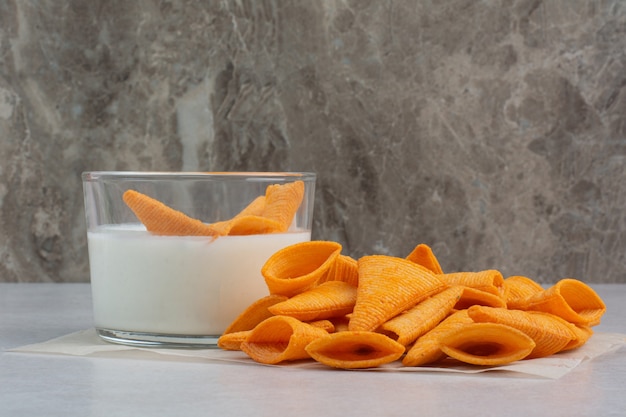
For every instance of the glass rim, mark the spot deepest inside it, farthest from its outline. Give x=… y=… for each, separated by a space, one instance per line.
x=257 y=175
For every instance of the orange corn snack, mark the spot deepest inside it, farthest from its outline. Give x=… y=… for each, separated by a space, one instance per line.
x=519 y=288
x=582 y=334
x=254 y=314
x=163 y=220
x=570 y=299
x=344 y=269
x=323 y=324
x=270 y=213
x=550 y=333
x=487 y=344
x=423 y=255
x=280 y=338
x=298 y=267
x=355 y=350
x=253 y=225
x=489 y=280
x=408 y=326
x=282 y=202
x=233 y=341
x=473 y=296
x=327 y=300
x=427 y=349
x=387 y=287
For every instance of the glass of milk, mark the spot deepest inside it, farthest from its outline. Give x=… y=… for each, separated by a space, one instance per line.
x=179 y=291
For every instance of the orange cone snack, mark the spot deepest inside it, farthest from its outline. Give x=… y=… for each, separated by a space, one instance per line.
x=163 y=220
x=282 y=202
x=233 y=341
x=271 y=213
x=472 y=296
x=550 y=333
x=582 y=334
x=344 y=269
x=489 y=280
x=323 y=324
x=570 y=299
x=298 y=267
x=279 y=339
x=518 y=289
x=423 y=255
x=264 y=215
x=427 y=349
x=408 y=326
x=387 y=287
x=254 y=314
x=353 y=350
x=487 y=344
x=253 y=225
x=327 y=300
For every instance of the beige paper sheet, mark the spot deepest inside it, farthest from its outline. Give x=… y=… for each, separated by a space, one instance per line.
x=87 y=343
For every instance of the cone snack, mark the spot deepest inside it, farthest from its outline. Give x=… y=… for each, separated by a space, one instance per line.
x=387 y=287
x=299 y=267
x=423 y=255
x=486 y=344
x=490 y=281
x=279 y=339
x=327 y=300
x=344 y=269
x=405 y=328
x=233 y=341
x=355 y=349
x=282 y=202
x=473 y=296
x=569 y=299
x=582 y=334
x=327 y=325
x=271 y=213
x=163 y=220
x=253 y=225
x=518 y=289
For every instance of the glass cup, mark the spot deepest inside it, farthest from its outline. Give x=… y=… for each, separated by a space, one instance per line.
x=151 y=289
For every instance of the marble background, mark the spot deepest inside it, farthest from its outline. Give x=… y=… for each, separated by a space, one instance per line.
x=494 y=131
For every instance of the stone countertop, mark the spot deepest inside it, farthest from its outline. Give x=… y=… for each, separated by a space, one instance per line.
x=55 y=385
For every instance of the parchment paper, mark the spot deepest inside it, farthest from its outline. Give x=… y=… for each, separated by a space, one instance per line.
x=88 y=343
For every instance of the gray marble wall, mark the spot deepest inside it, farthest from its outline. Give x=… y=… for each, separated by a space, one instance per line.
x=494 y=131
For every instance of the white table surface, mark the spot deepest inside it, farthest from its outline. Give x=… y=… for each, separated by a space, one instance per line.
x=56 y=385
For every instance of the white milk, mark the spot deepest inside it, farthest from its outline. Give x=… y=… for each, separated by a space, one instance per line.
x=177 y=285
